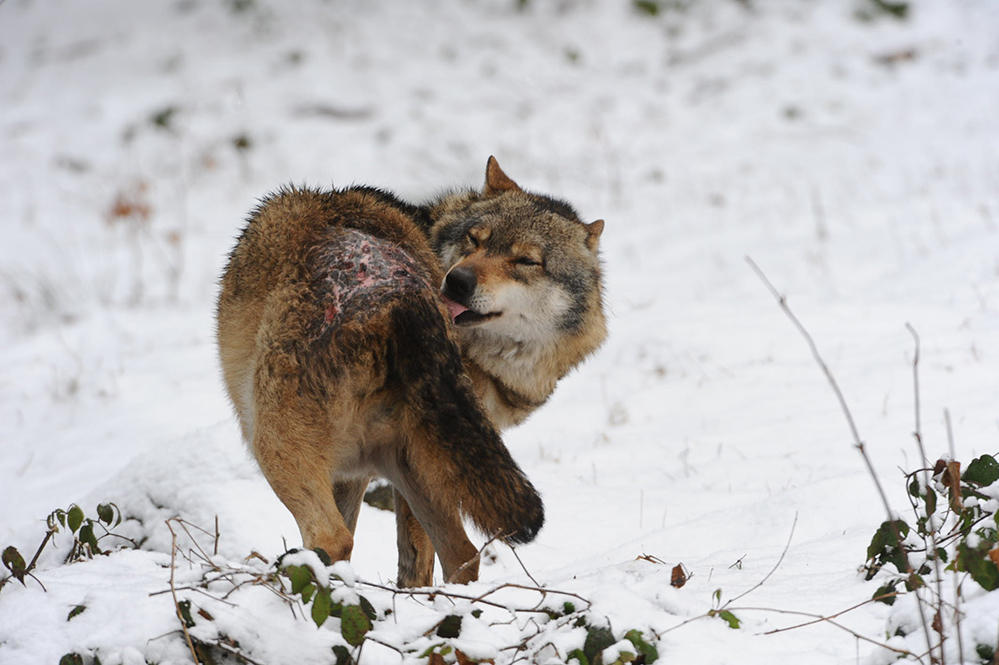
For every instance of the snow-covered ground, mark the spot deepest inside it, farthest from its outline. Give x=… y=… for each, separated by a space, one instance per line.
x=856 y=161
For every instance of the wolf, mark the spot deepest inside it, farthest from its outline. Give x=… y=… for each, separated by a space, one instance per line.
x=360 y=335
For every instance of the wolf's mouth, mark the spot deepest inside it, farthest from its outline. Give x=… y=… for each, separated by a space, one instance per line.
x=462 y=316
x=468 y=317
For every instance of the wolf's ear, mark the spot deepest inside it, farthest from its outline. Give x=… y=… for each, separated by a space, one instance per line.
x=593 y=231
x=497 y=182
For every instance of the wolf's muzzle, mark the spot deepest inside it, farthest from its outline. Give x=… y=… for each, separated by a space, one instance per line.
x=460 y=284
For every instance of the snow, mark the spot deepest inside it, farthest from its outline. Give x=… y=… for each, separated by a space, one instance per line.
x=856 y=162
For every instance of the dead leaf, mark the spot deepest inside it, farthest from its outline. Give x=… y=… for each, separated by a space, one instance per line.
x=679 y=576
x=951 y=478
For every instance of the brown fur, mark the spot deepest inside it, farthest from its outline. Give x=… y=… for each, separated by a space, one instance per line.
x=342 y=364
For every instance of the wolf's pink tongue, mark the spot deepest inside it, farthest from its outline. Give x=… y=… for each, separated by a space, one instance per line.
x=453 y=307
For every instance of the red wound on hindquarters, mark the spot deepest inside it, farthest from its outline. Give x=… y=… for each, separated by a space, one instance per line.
x=356 y=271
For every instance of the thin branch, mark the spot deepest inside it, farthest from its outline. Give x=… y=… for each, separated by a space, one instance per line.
x=38 y=552
x=173 y=591
x=526 y=571
x=782 y=301
x=950 y=435
x=915 y=385
x=475 y=559
x=772 y=570
x=859 y=444
x=957 y=616
x=819 y=618
x=926 y=484
x=234 y=652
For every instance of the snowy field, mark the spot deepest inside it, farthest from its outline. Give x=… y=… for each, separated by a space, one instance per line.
x=856 y=161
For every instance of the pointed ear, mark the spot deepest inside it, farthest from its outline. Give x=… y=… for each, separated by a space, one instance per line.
x=497 y=182
x=593 y=231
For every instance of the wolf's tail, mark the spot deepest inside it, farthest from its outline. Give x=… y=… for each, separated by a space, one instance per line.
x=489 y=486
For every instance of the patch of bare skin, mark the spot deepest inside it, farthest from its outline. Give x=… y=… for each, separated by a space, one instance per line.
x=358 y=271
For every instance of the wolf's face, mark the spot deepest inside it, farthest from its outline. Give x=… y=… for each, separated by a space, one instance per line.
x=520 y=266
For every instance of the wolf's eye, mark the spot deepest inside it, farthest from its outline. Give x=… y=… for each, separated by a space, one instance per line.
x=526 y=261
x=472 y=240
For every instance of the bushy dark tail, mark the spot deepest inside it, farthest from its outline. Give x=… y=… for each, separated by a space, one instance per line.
x=490 y=487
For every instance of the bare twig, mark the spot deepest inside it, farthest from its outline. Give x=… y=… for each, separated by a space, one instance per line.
x=473 y=560
x=526 y=571
x=915 y=385
x=782 y=301
x=817 y=618
x=234 y=652
x=950 y=435
x=173 y=592
x=38 y=552
x=926 y=484
x=772 y=570
x=957 y=595
x=858 y=443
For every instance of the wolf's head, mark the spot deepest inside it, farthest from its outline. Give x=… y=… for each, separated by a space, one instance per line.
x=519 y=266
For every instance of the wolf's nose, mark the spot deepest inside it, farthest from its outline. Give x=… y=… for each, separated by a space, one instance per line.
x=460 y=284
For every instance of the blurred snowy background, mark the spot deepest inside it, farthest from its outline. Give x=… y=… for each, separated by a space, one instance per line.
x=853 y=153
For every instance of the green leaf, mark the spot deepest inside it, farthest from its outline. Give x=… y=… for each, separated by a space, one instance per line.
x=71 y=659
x=648 y=650
x=884 y=547
x=14 y=562
x=729 y=618
x=568 y=607
x=441 y=648
x=931 y=502
x=597 y=639
x=75 y=517
x=649 y=7
x=354 y=624
x=86 y=536
x=321 y=605
x=343 y=656
x=623 y=658
x=300 y=576
x=105 y=513
x=164 y=117
x=76 y=611
x=982 y=471
x=369 y=609
x=978 y=564
x=323 y=556
x=57 y=515
x=185 y=612
x=884 y=591
x=450 y=626
x=307 y=592
x=579 y=656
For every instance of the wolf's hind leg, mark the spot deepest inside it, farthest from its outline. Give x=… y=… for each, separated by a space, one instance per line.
x=429 y=491
x=416 y=552
x=349 y=494
x=302 y=482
